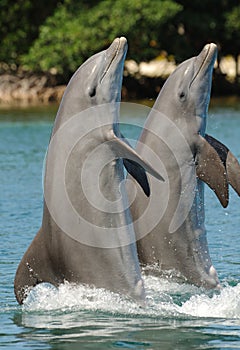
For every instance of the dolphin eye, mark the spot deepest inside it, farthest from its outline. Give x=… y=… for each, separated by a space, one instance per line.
x=182 y=95
x=92 y=91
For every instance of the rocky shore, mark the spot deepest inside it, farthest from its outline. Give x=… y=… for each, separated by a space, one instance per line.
x=26 y=88
x=140 y=81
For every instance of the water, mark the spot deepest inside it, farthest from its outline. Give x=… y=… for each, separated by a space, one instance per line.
x=176 y=316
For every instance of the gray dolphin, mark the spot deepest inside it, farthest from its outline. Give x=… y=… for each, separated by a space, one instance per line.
x=170 y=224
x=87 y=234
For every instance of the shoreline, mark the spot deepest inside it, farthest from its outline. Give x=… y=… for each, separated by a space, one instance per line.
x=28 y=89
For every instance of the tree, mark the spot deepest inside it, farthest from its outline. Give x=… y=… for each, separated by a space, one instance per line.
x=232 y=35
x=201 y=22
x=75 y=32
x=19 y=23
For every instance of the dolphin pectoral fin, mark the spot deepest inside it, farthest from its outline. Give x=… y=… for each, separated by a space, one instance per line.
x=33 y=269
x=210 y=169
x=124 y=150
x=230 y=162
x=138 y=173
x=233 y=172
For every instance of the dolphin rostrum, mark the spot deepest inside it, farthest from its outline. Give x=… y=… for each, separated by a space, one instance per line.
x=87 y=234
x=170 y=223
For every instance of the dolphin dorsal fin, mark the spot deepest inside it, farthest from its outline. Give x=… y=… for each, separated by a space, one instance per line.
x=230 y=162
x=210 y=169
x=133 y=162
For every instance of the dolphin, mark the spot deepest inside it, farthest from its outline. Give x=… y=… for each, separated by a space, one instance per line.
x=87 y=234
x=171 y=235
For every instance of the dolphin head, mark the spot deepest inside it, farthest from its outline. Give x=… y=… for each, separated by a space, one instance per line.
x=97 y=81
x=104 y=74
x=190 y=87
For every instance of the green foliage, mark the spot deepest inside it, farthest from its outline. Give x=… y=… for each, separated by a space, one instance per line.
x=11 y=34
x=201 y=22
x=19 y=23
x=232 y=31
x=197 y=24
x=233 y=20
x=58 y=35
x=75 y=32
x=230 y=28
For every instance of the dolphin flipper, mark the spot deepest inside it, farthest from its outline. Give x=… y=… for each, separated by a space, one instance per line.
x=229 y=161
x=34 y=268
x=139 y=174
x=137 y=171
x=133 y=162
x=233 y=172
x=210 y=169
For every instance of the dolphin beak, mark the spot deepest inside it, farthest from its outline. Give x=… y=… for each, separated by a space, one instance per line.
x=116 y=52
x=118 y=45
x=205 y=60
x=202 y=79
x=208 y=54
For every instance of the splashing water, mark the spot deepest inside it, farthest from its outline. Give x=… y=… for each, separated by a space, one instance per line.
x=224 y=305
x=164 y=299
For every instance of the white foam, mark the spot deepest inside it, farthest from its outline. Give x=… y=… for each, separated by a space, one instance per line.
x=164 y=299
x=223 y=305
x=76 y=297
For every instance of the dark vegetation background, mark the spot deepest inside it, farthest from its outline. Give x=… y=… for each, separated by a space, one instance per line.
x=53 y=37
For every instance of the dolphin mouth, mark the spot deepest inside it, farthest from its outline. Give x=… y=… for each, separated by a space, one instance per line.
x=117 y=48
x=205 y=59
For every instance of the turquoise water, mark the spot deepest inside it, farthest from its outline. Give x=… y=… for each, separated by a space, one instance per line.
x=176 y=316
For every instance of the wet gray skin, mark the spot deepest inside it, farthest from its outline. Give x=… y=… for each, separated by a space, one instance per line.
x=79 y=240
x=171 y=235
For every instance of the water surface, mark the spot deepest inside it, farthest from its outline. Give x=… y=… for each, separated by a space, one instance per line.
x=176 y=316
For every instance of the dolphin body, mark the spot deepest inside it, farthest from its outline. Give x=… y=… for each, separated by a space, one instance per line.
x=80 y=240
x=170 y=224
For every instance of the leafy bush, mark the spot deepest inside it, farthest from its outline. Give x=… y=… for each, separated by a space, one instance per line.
x=19 y=23
x=75 y=32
